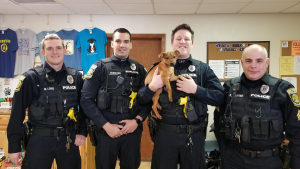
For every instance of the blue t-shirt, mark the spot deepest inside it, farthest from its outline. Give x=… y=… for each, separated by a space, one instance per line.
x=73 y=56
x=92 y=43
x=9 y=46
x=40 y=36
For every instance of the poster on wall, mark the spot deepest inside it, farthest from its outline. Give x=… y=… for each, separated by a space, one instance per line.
x=295 y=48
x=218 y=67
x=229 y=51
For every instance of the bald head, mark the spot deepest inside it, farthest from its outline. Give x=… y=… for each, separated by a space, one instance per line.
x=255 y=47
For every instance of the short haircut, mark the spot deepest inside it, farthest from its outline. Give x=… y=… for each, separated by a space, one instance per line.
x=121 y=30
x=255 y=47
x=180 y=27
x=51 y=36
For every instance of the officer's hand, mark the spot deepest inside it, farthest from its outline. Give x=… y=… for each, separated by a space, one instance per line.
x=156 y=82
x=113 y=130
x=130 y=126
x=79 y=140
x=14 y=157
x=186 y=85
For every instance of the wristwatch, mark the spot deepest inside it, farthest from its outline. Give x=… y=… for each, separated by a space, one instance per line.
x=138 y=121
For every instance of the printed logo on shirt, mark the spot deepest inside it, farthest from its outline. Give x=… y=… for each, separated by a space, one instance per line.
x=20 y=83
x=294 y=97
x=69 y=44
x=23 y=47
x=4 y=47
x=92 y=46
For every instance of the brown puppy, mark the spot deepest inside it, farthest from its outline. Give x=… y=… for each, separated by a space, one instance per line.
x=165 y=68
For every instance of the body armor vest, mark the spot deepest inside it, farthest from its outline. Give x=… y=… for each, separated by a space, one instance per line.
x=55 y=98
x=119 y=93
x=173 y=109
x=265 y=119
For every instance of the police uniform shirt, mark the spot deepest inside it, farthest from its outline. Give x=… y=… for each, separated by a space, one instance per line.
x=284 y=100
x=210 y=92
x=97 y=78
x=24 y=95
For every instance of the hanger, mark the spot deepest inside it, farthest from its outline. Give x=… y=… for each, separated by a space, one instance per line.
x=3 y=27
x=68 y=27
x=48 y=29
x=92 y=22
x=23 y=28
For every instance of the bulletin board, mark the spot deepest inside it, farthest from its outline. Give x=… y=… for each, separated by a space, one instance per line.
x=291 y=48
x=231 y=51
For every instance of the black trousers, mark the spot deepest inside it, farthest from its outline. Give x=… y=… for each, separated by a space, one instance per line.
x=41 y=151
x=232 y=159
x=126 y=148
x=170 y=149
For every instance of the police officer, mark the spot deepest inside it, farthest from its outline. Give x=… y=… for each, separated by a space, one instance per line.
x=114 y=82
x=181 y=132
x=258 y=109
x=49 y=92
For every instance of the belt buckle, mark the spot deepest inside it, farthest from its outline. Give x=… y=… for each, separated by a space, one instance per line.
x=274 y=151
x=183 y=128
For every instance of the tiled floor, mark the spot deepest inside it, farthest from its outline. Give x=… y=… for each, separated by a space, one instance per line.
x=144 y=165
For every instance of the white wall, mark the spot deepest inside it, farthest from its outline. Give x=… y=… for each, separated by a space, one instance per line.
x=217 y=27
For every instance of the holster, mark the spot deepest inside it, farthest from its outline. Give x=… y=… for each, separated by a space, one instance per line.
x=246 y=129
x=152 y=125
x=104 y=99
x=92 y=130
x=26 y=134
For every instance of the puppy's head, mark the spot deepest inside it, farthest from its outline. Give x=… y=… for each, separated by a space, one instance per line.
x=169 y=58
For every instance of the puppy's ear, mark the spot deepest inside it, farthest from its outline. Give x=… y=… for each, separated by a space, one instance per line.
x=177 y=53
x=161 y=55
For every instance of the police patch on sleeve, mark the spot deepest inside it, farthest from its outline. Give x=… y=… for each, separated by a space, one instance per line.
x=294 y=97
x=20 y=83
x=91 y=71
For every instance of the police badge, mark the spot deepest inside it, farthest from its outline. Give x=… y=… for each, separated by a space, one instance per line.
x=70 y=79
x=192 y=68
x=264 y=89
x=132 y=66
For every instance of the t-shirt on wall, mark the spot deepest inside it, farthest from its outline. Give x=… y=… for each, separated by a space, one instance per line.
x=27 y=43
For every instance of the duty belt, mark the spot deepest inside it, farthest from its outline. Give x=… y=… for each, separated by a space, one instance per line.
x=51 y=132
x=181 y=128
x=257 y=154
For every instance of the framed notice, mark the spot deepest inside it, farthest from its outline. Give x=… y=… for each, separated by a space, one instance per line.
x=230 y=52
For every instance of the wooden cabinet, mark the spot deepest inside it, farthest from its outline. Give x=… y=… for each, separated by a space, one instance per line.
x=87 y=151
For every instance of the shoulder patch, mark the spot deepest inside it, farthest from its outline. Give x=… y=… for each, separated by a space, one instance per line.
x=20 y=83
x=298 y=115
x=294 y=97
x=91 y=71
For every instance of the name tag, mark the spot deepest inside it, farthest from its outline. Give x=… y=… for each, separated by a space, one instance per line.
x=131 y=71
x=49 y=88
x=114 y=73
x=190 y=74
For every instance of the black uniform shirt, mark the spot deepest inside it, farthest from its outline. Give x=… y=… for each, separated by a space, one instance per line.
x=290 y=114
x=209 y=88
x=90 y=91
x=23 y=98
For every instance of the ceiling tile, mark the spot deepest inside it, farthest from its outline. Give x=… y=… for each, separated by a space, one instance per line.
x=221 y=7
x=6 y=2
x=176 y=1
x=80 y=1
x=128 y=1
x=175 y=8
x=132 y=8
x=48 y=8
x=90 y=8
x=266 y=7
x=213 y=1
x=293 y=9
x=276 y=0
x=14 y=9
